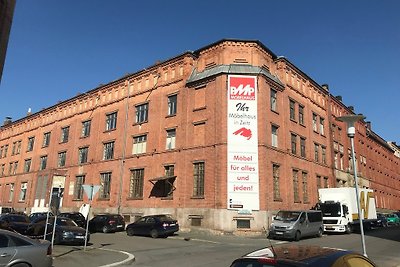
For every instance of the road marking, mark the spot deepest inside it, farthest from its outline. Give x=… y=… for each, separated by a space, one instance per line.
x=130 y=258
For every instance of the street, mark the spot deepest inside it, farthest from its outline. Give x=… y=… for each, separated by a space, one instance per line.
x=203 y=249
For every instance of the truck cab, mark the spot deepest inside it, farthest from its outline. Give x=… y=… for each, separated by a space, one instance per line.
x=336 y=217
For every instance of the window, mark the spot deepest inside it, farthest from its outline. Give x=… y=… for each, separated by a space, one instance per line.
x=323 y=154
x=22 y=194
x=168 y=187
x=10 y=168
x=302 y=147
x=83 y=155
x=62 y=156
x=305 y=187
x=139 y=144
x=273 y=100
x=142 y=113
x=108 y=150
x=27 y=165
x=296 y=195
x=301 y=114
x=1 y=151
x=136 y=183
x=314 y=122
x=275 y=174
x=274 y=135
x=170 y=144
x=318 y=181
x=46 y=139
x=292 y=109
x=293 y=139
x=31 y=141
x=11 y=194
x=198 y=177
x=336 y=160
x=64 y=134
x=2 y=168
x=243 y=224
x=86 y=128
x=16 y=148
x=5 y=150
x=322 y=126
x=172 y=104
x=111 y=121
x=43 y=162
x=78 y=189
x=326 y=185
x=105 y=182
x=316 y=152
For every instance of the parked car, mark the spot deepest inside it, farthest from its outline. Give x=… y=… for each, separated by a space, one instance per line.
x=35 y=215
x=302 y=255
x=77 y=217
x=393 y=219
x=14 y=222
x=381 y=220
x=19 y=250
x=66 y=230
x=154 y=226
x=107 y=223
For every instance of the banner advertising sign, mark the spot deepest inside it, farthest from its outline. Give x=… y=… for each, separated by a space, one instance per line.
x=242 y=172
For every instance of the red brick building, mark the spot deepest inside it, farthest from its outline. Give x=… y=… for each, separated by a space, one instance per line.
x=160 y=141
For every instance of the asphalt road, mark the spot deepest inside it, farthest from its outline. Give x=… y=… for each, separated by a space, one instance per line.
x=202 y=249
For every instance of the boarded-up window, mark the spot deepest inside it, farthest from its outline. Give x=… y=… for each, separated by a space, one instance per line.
x=199 y=133
x=200 y=97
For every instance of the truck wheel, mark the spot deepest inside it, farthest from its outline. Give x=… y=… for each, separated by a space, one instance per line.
x=349 y=229
x=297 y=236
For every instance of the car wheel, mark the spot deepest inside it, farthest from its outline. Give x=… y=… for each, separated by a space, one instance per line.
x=320 y=232
x=154 y=233
x=348 y=229
x=130 y=232
x=105 y=229
x=297 y=236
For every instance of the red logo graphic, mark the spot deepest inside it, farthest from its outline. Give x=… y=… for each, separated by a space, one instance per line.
x=242 y=88
x=244 y=132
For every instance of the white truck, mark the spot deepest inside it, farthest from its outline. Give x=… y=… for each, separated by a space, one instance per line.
x=339 y=208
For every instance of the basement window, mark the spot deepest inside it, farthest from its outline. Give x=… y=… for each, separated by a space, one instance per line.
x=243 y=223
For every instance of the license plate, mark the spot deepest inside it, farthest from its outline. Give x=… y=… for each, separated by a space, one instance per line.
x=120 y=226
x=279 y=233
x=80 y=237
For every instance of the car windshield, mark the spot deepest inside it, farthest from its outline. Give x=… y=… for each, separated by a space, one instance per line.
x=287 y=215
x=65 y=222
x=16 y=218
x=330 y=209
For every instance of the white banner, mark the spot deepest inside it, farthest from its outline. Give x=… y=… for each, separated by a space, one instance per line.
x=243 y=181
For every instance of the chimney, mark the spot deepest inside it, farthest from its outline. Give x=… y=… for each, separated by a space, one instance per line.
x=7 y=120
x=351 y=108
x=29 y=112
x=325 y=87
x=368 y=125
x=339 y=97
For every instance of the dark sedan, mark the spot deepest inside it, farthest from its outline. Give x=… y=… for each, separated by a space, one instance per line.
x=77 y=217
x=107 y=223
x=66 y=231
x=154 y=226
x=14 y=222
x=302 y=255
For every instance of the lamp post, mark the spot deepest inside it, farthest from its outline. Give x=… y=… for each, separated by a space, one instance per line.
x=350 y=120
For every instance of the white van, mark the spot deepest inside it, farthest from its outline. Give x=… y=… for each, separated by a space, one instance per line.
x=295 y=224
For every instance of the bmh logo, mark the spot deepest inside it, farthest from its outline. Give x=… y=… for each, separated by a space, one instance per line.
x=242 y=88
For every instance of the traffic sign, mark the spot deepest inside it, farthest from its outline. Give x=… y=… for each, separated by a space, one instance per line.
x=91 y=190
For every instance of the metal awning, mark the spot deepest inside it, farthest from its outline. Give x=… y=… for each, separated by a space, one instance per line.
x=161 y=178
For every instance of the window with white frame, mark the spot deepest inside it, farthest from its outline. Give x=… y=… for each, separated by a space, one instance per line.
x=322 y=126
x=314 y=122
x=64 y=134
x=172 y=104
x=273 y=100
x=274 y=135
x=142 y=113
x=139 y=144
x=171 y=135
x=22 y=194
x=111 y=121
x=108 y=150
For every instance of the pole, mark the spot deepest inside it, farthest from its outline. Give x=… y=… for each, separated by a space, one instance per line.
x=48 y=211
x=87 y=218
x=358 y=197
x=54 y=231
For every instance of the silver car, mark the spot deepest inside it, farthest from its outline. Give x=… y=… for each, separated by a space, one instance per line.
x=16 y=249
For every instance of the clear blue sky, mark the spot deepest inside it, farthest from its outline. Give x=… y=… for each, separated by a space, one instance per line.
x=60 y=48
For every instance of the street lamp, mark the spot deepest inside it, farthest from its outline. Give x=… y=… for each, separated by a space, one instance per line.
x=350 y=120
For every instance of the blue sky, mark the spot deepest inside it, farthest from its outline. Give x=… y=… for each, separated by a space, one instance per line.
x=60 y=48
